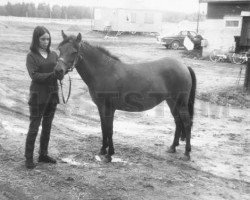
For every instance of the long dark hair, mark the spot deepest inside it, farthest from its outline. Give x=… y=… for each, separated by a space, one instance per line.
x=38 y=32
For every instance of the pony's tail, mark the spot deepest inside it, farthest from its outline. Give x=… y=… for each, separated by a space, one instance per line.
x=192 y=95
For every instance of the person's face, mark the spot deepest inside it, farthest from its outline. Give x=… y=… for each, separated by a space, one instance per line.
x=44 y=41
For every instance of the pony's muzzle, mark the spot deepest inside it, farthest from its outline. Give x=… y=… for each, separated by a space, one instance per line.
x=59 y=72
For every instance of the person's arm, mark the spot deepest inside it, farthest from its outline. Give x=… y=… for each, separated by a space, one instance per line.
x=34 y=74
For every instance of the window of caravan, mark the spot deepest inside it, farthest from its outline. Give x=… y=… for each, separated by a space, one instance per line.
x=149 y=18
x=232 y=23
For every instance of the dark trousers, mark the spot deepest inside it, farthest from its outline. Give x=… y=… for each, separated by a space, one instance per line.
x=38 y=113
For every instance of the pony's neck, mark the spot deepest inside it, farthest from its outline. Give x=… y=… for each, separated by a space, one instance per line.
x=85 y=72
x=83 y=68
x=95 y=62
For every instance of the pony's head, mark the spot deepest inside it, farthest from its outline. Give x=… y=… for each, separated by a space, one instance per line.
x=68 y=56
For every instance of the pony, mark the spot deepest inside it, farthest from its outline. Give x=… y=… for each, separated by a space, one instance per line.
x=115 y=85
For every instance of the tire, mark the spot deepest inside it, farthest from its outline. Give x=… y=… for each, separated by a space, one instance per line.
x=214 y=56
x=175 y=45
x=237 y=58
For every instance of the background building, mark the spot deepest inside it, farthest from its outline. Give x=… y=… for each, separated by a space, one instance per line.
x=227 y=20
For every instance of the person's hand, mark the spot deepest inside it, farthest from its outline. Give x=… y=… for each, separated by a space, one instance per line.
x=58 y=75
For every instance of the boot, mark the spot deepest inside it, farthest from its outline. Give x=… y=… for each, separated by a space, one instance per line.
x=46 y=159
x=29 y=164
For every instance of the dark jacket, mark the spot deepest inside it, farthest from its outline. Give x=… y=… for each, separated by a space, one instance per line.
x=44 y=87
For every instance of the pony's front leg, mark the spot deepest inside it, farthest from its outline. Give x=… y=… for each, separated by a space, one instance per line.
x=103 y=150
x=107 y=117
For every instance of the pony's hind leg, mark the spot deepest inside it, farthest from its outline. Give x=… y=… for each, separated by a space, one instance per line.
x=178 y=130
x=172 y=148
x=186 y=129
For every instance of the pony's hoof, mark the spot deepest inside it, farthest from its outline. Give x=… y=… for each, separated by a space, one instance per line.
x=171 y=150
x=103 y=152
x=185 y=157
x=107 y=159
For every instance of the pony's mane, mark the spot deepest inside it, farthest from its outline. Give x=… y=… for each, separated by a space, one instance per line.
x=93 y=52
x=105 y=51
x=96 y=51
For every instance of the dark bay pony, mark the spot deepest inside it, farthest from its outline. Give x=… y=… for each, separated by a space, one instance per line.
x=114 y=85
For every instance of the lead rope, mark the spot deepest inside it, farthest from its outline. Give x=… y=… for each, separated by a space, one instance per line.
x=61 y=85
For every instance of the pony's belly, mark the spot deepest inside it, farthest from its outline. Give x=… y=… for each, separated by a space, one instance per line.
x=137 y=106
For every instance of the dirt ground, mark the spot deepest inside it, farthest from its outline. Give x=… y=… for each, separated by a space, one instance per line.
x=141 y=168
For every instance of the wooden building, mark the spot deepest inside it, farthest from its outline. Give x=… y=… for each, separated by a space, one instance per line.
x=227 y=25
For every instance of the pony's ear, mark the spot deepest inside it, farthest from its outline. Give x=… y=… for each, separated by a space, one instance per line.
x=79 y=37
x=64 y=35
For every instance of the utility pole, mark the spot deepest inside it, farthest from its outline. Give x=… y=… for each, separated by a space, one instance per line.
x=198 y=19
x=247 y=75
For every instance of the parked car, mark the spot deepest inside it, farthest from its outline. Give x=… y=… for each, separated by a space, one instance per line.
x=176 y=41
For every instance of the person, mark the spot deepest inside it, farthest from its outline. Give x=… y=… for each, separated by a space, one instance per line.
x=43 y=98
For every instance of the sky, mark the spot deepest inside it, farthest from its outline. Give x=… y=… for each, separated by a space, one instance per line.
x=185 y=6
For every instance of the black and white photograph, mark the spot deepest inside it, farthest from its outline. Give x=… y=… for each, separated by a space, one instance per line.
x=125 y=100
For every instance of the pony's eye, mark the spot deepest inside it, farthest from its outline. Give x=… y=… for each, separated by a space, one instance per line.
x=74 y=53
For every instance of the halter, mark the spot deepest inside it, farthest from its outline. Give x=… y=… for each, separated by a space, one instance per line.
x=70 y=69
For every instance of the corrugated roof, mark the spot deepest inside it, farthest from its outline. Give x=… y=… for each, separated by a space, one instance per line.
x=210 y=1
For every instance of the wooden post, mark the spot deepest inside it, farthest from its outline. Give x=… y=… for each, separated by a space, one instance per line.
x=247 y=75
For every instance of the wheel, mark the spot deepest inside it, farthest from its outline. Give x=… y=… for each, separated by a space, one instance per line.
x=175 y=45
x=214 y=56
x=238 y=58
